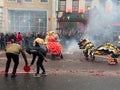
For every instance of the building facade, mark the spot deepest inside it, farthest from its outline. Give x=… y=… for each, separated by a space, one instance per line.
x=72 y=15
x=27 y=15
x=43 y=15
x=1 y=15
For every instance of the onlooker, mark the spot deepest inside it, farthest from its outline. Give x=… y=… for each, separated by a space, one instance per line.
x=38 y=51
x=19 y=38
x=12 y=53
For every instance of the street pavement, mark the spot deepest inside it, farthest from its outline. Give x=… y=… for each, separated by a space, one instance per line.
x=71 y=73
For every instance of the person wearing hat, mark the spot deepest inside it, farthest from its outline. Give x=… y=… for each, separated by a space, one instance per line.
x=12 y=53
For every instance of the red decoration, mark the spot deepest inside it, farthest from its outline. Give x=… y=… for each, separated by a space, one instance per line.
x=49 y=19
x=77 y=16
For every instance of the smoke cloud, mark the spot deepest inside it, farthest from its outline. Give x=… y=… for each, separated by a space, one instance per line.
x=101 y=24
x=71 y=46
x=101 y=27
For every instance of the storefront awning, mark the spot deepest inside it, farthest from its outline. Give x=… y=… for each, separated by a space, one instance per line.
x=73 y=17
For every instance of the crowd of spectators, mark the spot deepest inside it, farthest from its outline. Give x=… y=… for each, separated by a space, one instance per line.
x=28 y=38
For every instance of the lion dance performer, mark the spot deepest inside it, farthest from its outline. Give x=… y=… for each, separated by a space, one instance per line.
x=107 y=49
x=53 y=45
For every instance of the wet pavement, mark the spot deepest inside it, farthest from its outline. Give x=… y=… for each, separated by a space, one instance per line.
x=71 y=73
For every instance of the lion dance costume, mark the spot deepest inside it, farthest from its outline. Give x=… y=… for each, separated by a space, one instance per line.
x=107 y=49
x=53 y=45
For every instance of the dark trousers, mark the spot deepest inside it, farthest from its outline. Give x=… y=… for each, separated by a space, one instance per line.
x=40 y=64
x=15 y=59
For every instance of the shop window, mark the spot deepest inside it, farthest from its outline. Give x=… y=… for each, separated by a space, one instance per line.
x=88 y=5
x=11 y=0
x=43 y=0
x=27 y=0
x=75 y=5
x=27 y=21
x=62 y=5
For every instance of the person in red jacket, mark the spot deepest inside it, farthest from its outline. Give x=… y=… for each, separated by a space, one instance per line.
x=19 y=38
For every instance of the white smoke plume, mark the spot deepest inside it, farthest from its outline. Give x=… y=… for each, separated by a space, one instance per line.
x=71 y=46
x=101 y=25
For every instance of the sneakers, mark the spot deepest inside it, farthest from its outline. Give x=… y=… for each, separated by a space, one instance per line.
x=6 y=75
x=36 y=75
x=43 y=73
x=13 y=75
